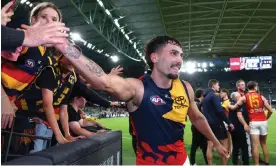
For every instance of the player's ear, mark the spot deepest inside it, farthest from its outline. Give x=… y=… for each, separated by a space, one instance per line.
x=153 y=57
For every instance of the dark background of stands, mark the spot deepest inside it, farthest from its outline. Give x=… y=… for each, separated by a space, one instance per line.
x=265 y=78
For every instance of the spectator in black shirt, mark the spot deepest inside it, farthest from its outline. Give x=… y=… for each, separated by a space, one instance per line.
x=238 y=135
x=76 y=123
x=198 y=139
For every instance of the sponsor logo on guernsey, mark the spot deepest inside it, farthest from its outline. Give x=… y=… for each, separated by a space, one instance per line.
x=30 y=63
x=157 y=100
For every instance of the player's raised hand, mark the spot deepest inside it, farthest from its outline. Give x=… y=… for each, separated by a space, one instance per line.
x=117 y=70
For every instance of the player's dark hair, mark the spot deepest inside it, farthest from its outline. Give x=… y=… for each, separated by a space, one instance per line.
x=212 y=82
x=155 y=44
x=251 y=85
x=225 y=91
x=199 y=92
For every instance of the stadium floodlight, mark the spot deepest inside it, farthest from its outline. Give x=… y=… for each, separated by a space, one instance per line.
x=227 y=69
x=198 y=64
x=122 y=30
x=75 y=36
x=114 y=58
x=100 y=3
x=107 y=12
x=117 y=23
x=191 y=71
x=143 y=57
x=190 y=65
x=127 y=36
x=84 y=42
x=31 y=5
x=204 y=65
x=183 y=70
x=23 y=1
x=89 y=45
x=211 y=64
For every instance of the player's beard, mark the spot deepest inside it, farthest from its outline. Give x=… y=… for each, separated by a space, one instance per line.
x=172 y=76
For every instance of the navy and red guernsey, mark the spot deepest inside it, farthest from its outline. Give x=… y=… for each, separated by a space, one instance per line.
x=159 y=124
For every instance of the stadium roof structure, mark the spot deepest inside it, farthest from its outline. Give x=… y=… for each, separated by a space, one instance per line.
x=223 y=27
x=206 y=28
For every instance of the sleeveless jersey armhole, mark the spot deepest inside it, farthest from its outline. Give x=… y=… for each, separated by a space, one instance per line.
x=186 y=89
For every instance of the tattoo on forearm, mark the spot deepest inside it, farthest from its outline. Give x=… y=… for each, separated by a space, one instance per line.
x=92 y=66
x=72 y=51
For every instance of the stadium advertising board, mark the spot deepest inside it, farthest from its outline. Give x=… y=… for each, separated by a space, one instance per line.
x=251 y=63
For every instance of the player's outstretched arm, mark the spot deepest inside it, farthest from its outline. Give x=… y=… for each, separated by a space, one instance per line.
x=121 y=88
x=239 y=103
x=200 y=122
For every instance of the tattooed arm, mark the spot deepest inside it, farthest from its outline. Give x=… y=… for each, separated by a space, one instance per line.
x=123 y=89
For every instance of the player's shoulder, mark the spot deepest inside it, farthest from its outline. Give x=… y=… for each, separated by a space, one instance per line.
x=187 y=84
x=134 y=82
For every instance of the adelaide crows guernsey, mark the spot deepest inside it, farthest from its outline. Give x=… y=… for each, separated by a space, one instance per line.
x=159 y=123
x=31 y=101
x=17 y=76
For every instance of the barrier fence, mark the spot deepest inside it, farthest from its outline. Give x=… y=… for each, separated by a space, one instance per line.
x=101 y=149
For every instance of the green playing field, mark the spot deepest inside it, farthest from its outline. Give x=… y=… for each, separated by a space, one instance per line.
x=129 y=157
